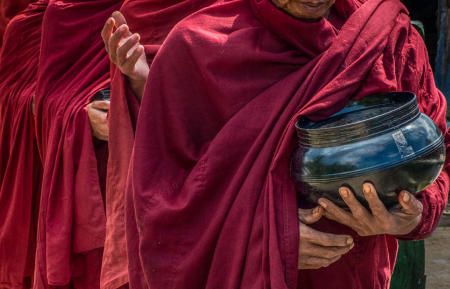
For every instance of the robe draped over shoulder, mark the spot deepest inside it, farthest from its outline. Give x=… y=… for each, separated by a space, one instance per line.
x=211 y=203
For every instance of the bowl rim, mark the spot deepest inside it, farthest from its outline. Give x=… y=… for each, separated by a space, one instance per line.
x=383 y=115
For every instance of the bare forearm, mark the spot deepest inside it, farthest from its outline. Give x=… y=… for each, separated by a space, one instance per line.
x=137 y=87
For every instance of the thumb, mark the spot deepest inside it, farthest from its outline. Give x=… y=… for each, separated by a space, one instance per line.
x=100 y=104
x=310 y=216
x=119 y=18
x=410 y=204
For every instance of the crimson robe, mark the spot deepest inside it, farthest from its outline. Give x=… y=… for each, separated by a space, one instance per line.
x=20 y=166
x=8 y=9
x=73 y=67
x=211 y=203
x=153 y=21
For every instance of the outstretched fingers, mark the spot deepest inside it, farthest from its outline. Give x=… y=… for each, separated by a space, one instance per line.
x=310 y=216
x=376 y=206
x=410 y=204
x=325 y=239
x=123 y=52
x=133 y=59
x=107 y=32
x=114 y=41
x=320 y=249
x=358 y=211
x=326 y=252
x=119 y=18
x=317 y=262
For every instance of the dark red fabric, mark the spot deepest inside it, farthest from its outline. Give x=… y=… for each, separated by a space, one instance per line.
x=211 y=203
x=73 y=67
x=153 y=20
x=8 y=9
x=85 y=274
x=20 y=167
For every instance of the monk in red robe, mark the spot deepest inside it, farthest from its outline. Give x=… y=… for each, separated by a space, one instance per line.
x=21 y=168
x=150 y=23
x=73 y=71
x=20 y=165
x=211 y=203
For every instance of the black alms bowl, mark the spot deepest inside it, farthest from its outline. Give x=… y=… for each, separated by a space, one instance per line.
x=383 y=139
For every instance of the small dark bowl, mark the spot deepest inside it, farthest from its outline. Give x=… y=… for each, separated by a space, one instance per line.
x=382 y=139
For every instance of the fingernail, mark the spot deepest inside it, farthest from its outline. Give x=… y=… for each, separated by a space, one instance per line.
x=349 y=241
x=405 y=197
x=134 y=36
x=343 y=192
x=323 y=204
x=366 y=188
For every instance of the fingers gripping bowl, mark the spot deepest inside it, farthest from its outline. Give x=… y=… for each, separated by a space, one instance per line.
x=382 y=139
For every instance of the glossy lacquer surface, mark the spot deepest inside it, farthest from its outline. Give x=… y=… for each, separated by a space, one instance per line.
x=382 y=139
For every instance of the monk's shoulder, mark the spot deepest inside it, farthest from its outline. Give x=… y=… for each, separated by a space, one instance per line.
x=415 y=49
x=217 y=25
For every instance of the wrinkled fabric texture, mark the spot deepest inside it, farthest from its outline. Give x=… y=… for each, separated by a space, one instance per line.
x=441 y=73
x=20 y=166
x=153 y=21
x=211 y=203
x=8 y=9
x=73 y=67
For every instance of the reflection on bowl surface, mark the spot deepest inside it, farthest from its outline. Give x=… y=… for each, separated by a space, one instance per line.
x=383 y=139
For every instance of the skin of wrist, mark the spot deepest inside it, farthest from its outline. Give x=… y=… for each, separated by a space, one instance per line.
x=137 y=86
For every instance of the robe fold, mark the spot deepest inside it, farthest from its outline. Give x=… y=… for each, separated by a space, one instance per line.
x=8 y=9
x=20 y=166
x=73 y=67
x=211 y=203
x=153 y=21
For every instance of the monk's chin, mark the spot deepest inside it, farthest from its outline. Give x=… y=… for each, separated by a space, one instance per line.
x=308 y=12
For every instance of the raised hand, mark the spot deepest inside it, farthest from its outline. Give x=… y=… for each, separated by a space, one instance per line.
x=98 y=118
x=398 y=221
x=126 y=52
x=318 y=249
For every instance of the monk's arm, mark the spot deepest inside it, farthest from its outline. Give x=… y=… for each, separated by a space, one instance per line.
x=434 y=198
